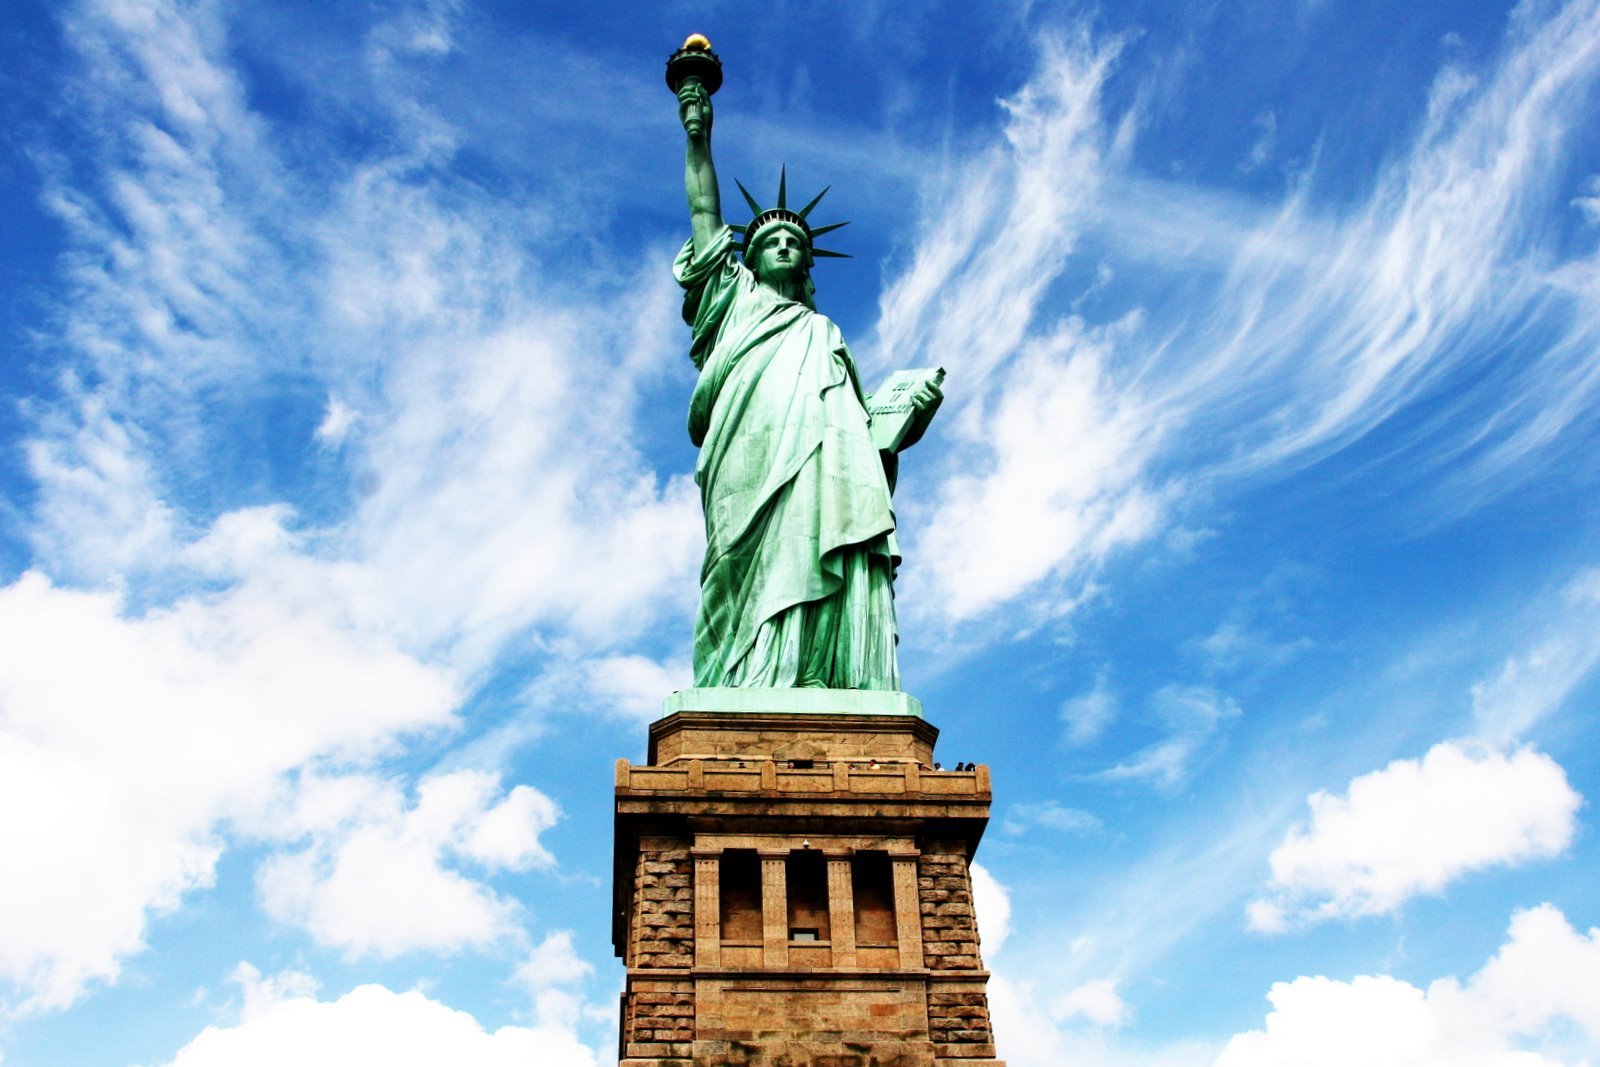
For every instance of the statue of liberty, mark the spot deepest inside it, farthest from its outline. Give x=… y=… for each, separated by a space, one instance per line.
x=797 y=585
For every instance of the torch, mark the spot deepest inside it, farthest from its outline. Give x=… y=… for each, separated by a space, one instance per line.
x=694 y=60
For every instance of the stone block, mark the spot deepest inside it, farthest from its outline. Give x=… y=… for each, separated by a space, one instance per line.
x=763 y=1001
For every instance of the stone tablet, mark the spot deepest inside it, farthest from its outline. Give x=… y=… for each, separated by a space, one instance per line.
x=891 y=409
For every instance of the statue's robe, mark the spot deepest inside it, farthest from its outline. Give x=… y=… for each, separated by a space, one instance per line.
x=800 y=551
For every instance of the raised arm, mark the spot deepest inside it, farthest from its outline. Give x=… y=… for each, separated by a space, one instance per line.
x=699 y=174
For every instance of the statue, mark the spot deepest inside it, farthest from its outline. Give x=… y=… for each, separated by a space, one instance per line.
x=797 y=585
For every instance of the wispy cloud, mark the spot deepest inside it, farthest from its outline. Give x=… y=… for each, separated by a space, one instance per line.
x=1535 y=681
x=1268 y=337
x=1049 y=815
x=1192 y=718
x=1087 y=715
x=490 y=497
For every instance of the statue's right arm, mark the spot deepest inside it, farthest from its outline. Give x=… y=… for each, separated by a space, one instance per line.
x=699 y=175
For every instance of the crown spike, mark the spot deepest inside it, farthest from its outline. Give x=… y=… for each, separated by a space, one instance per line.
x=737 y=227
x=755 y=208
x=762 y=218
x=807 y=209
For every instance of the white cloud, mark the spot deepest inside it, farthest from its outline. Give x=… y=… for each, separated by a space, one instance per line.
x=1414 y=827
x=1053 y=446
x=992 y=901
x=552 y=962
x=1056 y=460
x=1096 y=1002
x=1074 y=439
x=636 y=685
x=1355 y=319
x=1266 y=142
x=337 y=422
x=1254 y=637
x=551 y=971
x=372 y=1024
x=374 y=878
x=262 y=993
x=128 y=743
x=1087 y=715
x=1535 y=682
x=497 y=487
x=1536 y=1003
x=1050 y=815
x=1029 y=1034
x=1544 y=982
x=1193 y=716
x=995 y=241
x=1589 y=203
x=100 y=511
x=495 y=496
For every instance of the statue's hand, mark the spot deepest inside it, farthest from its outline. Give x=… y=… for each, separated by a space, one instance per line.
x=694 y=109
x=924 y=402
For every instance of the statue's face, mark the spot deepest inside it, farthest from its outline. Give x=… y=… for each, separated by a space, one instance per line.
x=780 y=257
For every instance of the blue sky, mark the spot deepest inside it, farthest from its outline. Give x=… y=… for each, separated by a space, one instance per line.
x=348 y=532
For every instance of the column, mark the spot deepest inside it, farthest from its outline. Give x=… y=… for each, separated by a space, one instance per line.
x=707 y=907
x=907 y=909
x=841 y=909
x=774 y=909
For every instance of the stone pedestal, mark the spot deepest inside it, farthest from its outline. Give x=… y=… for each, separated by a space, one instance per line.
x=792 y=890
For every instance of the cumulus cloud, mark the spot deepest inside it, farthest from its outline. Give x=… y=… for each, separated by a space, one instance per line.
x=1414 y=827
x=636 y=685
x=992 y=900
x=1543 y=983
x=1096 y=1002
x=337 y=421
x=380 y=876
x=550 y=974
x=285 y=1023
x=552 y=962
x=488 y=502
x=128 y=742
x=1031 y=1032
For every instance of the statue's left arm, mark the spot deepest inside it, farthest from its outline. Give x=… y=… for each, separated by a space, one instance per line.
x=925 y=402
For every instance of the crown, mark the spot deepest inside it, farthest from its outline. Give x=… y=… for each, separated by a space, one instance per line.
x=764 y=218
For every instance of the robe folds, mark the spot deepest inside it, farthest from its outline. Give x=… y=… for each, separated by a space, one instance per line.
x=797 y=588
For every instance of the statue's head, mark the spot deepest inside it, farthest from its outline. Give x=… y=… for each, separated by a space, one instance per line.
x=778 y=242
x=779 y=251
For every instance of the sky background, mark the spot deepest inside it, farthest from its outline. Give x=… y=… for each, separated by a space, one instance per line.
x=348 y=535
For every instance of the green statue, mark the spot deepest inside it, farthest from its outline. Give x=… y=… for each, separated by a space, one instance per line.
x=796 y=589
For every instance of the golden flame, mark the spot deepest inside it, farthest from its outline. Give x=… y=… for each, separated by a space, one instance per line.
x=697 y=42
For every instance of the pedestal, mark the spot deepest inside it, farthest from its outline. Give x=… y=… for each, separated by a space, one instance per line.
x=792 y=887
